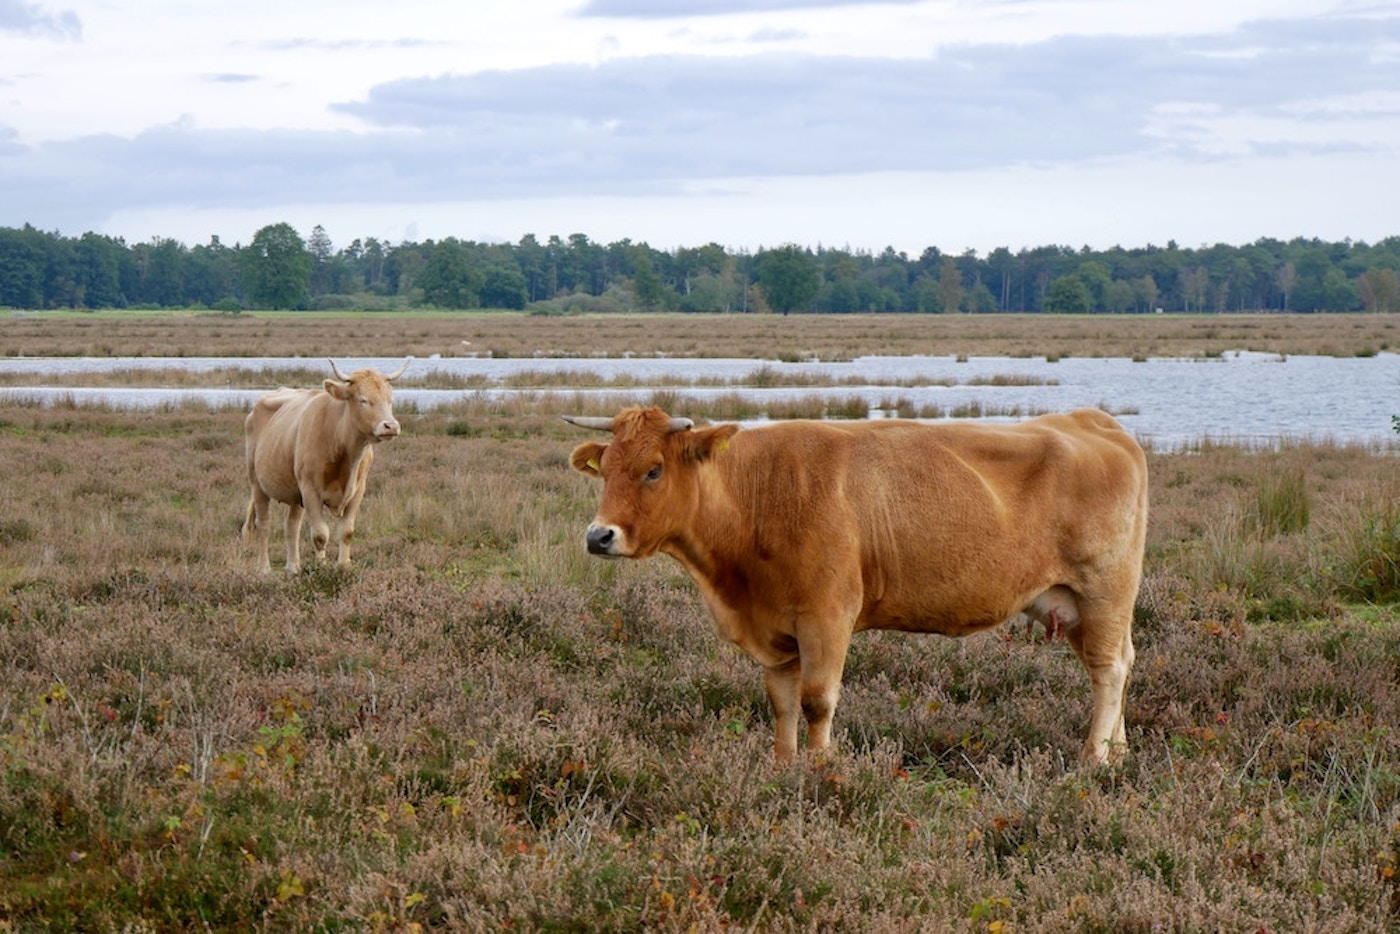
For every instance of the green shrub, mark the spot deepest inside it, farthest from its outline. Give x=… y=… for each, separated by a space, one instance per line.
x=1369 y=568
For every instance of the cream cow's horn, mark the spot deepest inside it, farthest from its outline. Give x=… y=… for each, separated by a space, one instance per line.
x=596 y=422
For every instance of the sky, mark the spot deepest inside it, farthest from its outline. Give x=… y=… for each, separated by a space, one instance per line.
x=956 y=124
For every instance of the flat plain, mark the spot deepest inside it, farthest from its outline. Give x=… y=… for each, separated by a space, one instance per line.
x=479 y=727
x=828 y=337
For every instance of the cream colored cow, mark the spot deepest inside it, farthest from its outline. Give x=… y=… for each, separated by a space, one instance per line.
x=312 y=449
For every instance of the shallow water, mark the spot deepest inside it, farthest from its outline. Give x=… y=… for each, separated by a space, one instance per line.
x=1243 y=397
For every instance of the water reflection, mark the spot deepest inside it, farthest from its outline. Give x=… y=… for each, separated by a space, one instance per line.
x=1239 y=397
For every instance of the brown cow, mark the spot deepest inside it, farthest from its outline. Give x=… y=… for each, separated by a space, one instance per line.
x=312 y=449
x=801 y=533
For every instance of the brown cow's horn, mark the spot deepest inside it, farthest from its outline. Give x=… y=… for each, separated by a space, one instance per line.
x=338 y=375
x=597 y=423
x=399 y=372
x=680 y=424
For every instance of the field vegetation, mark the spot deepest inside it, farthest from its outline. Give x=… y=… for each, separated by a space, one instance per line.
x=479 y=727
x=779 y=337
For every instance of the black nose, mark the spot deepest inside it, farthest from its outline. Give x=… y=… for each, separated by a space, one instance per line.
x=600 y=539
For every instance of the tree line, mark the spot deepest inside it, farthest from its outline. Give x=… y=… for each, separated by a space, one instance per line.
x=278 y=269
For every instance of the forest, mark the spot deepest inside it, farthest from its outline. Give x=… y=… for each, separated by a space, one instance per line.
x=279 y=269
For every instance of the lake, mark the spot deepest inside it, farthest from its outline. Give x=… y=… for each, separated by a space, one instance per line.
x=1239 y=397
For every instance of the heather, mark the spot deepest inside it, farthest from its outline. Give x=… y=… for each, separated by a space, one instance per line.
x=479 y=727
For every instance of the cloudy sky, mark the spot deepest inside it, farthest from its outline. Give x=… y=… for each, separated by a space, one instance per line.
x=750 y=123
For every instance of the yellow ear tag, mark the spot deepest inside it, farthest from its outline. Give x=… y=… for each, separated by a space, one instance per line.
x=593 y=462
x=723 y=445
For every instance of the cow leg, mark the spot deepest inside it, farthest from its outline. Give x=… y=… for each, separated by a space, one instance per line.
x=293 y=528
x=1103 y=640
x=346 y=533
x=350 y=511
x=783 y=684
x=255 y=529
x=810 y=684
x=822 y=656
x=320 y=532
x=316 y=518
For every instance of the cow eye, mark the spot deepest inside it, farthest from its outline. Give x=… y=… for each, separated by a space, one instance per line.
x=654 y=474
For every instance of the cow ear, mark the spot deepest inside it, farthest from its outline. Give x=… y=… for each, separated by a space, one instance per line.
x=707 y=442
x=588 y=458
x=338 y=389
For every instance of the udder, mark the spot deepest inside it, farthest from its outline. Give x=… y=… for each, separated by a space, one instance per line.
x=1057 y=609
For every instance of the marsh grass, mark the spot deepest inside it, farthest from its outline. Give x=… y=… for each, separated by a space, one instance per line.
x=817 y=337
x=762 y=377
x=1282 y=505
x=478 y=727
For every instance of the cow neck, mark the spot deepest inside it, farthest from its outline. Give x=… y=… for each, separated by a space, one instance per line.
x=706 y=542
x=348 y=434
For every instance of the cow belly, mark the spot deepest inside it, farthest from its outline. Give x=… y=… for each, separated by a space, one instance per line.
x=945 y=622
x=960 y=611
x=276 y=480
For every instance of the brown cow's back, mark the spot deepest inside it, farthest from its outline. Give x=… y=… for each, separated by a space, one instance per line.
x=939 y=508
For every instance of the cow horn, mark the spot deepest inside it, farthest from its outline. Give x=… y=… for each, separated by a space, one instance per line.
x=399 y=372
x=338 y=375
x=597 y=423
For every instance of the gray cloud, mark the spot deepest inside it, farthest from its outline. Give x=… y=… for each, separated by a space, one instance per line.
x=972 y=106
x=33 y=19
x=650 y=125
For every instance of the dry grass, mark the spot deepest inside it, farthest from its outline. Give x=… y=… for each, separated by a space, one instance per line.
x=794 y=337
x=481 y=728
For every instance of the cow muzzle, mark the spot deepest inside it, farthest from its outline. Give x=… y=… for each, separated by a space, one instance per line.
x=604 y=540
x=387 y=429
